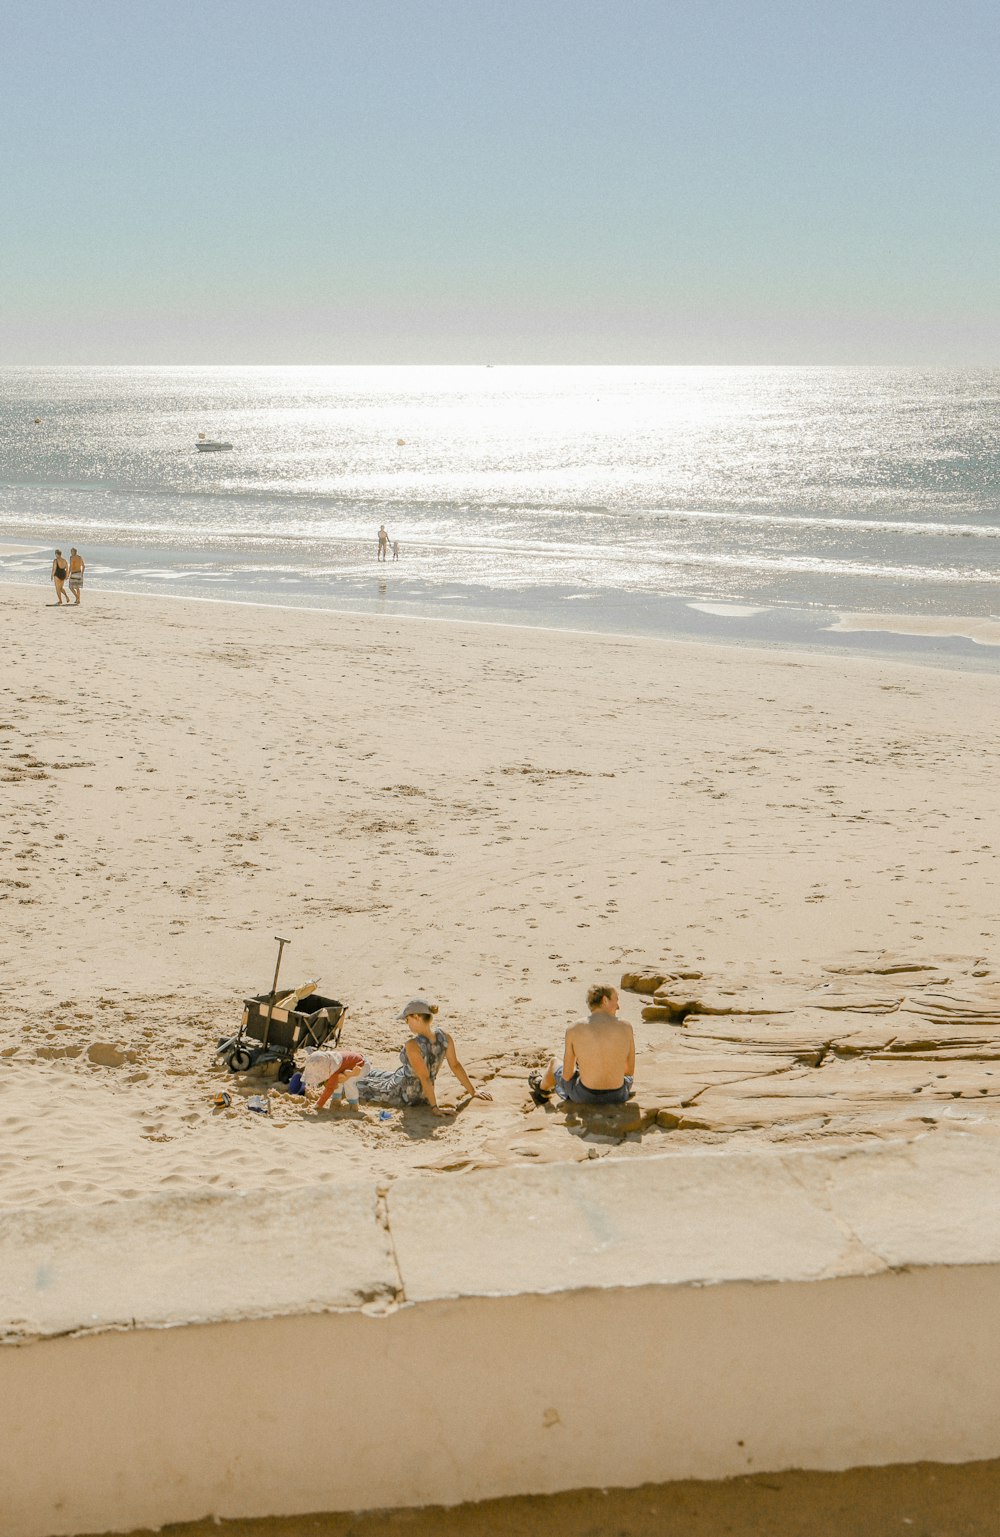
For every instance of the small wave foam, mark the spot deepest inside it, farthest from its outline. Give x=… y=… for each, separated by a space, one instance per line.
x=865 y=525
x=730 y=610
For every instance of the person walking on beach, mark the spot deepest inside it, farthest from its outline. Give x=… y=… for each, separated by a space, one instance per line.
x=383 y=543
x=412 y=1083
x=59 y=573
x=598 y=1057
x=395 y=549
x=77 y=566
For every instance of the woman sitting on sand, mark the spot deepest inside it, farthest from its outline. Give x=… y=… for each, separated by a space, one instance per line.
x=412 y=1083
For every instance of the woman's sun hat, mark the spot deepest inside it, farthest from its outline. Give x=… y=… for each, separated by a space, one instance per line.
x=418 y=1006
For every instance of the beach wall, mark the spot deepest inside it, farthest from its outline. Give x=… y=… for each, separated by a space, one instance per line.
x=456 y=1338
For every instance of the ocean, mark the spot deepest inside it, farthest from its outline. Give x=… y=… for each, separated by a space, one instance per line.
x=749 y=503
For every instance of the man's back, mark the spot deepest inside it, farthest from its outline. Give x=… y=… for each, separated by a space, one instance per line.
x=604 y=1049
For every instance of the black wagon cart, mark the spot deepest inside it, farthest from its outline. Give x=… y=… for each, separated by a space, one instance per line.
x=270 y=1032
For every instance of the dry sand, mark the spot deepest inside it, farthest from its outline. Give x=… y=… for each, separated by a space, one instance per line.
x=496 y=817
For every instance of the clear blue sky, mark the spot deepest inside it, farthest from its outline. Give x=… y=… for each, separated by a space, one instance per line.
x=675 y=181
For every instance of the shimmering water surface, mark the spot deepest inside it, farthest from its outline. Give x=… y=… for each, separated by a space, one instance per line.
x=593 y=497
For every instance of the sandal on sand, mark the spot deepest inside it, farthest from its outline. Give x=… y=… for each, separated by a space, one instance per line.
x=539 y=1095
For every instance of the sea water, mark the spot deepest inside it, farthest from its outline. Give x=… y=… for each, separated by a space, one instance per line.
x=762 y=501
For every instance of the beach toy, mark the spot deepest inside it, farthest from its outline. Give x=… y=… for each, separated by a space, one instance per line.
x=258 y=1104
x=222 y=1100
x=385 y=1115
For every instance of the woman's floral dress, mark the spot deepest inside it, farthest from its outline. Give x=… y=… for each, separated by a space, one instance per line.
x=401 y=1086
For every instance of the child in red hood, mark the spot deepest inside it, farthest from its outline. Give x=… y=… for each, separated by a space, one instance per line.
x=329 y=1071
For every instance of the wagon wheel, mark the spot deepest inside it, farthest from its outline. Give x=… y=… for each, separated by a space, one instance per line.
x=286 y=1067
x=240 y=1060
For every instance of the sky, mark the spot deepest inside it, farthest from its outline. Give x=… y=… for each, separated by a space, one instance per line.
x=532 y=181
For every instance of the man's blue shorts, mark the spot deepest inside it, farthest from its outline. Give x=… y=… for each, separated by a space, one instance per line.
x=571 y=1088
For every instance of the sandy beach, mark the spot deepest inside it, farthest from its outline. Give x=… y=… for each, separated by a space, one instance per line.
x=797 y=846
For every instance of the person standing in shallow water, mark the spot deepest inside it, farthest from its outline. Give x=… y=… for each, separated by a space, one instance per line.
x=77 y=566
x=383 y=543
x=59 y=573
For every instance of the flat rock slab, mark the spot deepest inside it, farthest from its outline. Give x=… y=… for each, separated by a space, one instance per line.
x=860 y=1046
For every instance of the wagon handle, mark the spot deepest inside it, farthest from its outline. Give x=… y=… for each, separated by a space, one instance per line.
x=274 y=986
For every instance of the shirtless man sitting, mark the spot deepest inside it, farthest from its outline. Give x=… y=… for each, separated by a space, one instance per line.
x=598 y=1059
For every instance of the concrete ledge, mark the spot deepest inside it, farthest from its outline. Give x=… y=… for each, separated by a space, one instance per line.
x=185 y=1260
x=763 y=1311
x=948 y=1500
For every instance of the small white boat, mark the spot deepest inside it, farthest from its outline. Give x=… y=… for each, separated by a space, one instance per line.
x=210 y=446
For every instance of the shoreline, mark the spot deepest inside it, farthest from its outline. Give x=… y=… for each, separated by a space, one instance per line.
x=891 y=627
x=964 y=643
